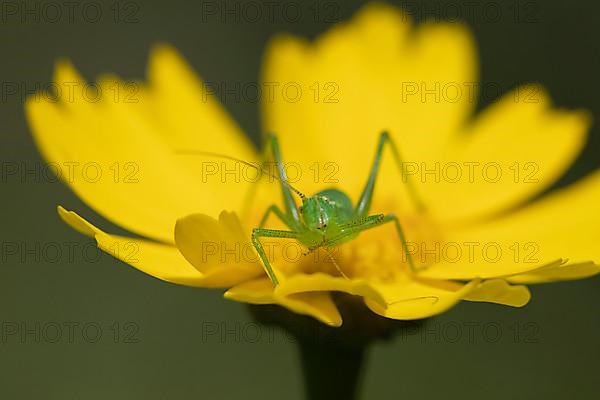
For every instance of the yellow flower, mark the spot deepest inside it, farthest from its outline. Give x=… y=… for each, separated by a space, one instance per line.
x=377 y=72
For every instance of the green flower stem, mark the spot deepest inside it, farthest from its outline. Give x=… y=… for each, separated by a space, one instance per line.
x=331 y=372
x=332 y=358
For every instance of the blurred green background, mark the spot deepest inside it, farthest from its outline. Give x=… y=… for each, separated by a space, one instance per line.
x=136 y=337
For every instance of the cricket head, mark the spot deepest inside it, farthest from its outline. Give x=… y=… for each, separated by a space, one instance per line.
x=317 y=211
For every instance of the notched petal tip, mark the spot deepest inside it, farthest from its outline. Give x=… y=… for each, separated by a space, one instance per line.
x=66 y=73
x=73 y=219
x=160 y=49
x=376 y=12
x=163 y=53
x=164 y=58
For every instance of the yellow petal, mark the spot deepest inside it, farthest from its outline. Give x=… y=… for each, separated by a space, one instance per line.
x=515 y=149
x=303 y=283
x=557 y=272
x=500 y=292
x=535 y=240
x=118 y=154
x=415 y=299
x=481 y=266
x=354 y=82
x=315 y=304
x=191 y=117
x=210 y=244
x=161 y=261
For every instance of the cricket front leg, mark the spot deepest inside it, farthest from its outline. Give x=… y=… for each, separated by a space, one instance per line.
x=373 y=221
x=272 y=233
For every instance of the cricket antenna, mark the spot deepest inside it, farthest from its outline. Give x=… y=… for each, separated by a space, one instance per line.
x=434 y=298
x=335 y=264
x=262 y=170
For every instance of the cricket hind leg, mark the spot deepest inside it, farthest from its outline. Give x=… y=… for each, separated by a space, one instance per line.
x=364 y=203
x=273 y=209
x=291 y=208
x=292 y=218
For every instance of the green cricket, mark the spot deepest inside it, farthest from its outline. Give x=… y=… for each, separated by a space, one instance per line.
x=327 y=218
